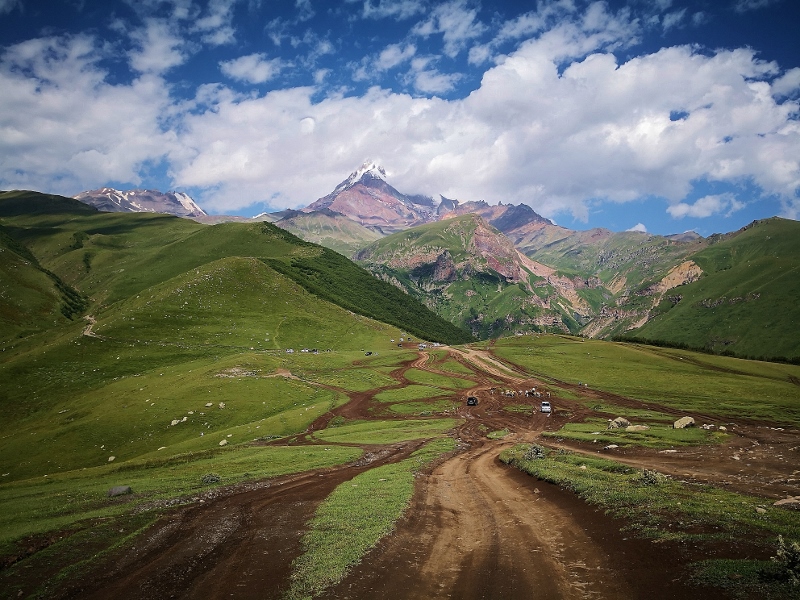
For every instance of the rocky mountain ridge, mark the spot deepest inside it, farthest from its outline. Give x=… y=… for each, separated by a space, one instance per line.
x=111 y=200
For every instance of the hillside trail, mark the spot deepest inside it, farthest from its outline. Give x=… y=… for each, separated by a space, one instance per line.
x=476 y=528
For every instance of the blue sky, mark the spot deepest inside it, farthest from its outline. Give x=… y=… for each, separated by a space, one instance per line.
x=660 y=115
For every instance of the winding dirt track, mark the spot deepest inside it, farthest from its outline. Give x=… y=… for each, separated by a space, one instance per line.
x=476 y=528
x=481 y=530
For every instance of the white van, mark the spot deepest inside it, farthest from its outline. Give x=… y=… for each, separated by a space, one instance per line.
x=546 y=407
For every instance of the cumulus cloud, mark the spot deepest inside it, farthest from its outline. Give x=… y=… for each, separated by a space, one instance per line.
x=706 y=206
x=639 y=227
x=558 y=23
x=390 y=57
x=65 y=128
x=431 y=81
x=393 y=55
x=788 y=84
x=305 y=10
x=555 y=123
x=599 y=130
x=253 y=68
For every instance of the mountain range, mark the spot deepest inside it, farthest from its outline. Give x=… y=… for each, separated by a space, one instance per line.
x=503 y=269
x=111 y=200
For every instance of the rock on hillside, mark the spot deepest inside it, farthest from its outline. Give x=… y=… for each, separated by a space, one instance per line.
x=111 y=200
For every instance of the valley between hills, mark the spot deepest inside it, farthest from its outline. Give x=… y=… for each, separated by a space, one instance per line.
x=227 y=410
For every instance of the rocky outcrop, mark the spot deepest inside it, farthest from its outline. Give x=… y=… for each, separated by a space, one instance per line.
x=619 y=423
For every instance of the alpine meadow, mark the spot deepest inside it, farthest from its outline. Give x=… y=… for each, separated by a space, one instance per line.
x=402 y=299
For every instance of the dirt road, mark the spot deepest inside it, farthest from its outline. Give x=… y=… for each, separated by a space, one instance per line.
x=481 y=530
x=476 y=528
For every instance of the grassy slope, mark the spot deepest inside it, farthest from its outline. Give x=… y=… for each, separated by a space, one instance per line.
x=714 y=385
x=336 y=232
x=29 y=298
x=747 y=302
x=639 y=257
x=113 y=256
x=481 y=301
x=162 y=357
x=179 y=307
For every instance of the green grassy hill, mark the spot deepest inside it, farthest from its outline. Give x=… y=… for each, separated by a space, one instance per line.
x=329 y=229
x=177 y=333
x=746 y=303
x=110 y=257
x=471 y=274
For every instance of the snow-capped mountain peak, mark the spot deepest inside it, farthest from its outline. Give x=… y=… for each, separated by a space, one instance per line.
x=369 y=170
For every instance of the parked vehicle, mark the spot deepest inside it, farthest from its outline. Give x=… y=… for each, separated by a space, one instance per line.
x=472 y=401
x=546 y=408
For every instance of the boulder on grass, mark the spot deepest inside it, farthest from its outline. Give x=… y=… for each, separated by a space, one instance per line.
x=637 y=428
x=119 y=490
x=792 y=503
x=619 y=423
x=683 y=423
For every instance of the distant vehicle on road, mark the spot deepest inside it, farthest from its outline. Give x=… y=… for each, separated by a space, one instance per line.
x=472 y=401
x=546 y=408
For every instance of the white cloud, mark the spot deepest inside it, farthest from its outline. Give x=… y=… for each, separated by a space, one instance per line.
x=6 y=6
x=393 y=55
x=157 y=48
x=65 y=129
x=393 y=9
x=431 y=81
x=253 y=68
x=456 y=22
x=559 y=22
x=639 y=227
x=179 y=10
x=598 y=130
x=673 y=19
x=788 y=84
x=216 y=25
x=554 y=123
x=707 y=206
x=743 y=6
x=305 y=10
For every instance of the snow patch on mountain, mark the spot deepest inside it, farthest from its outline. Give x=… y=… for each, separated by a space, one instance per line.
x=112 y=200
x=369 y=170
